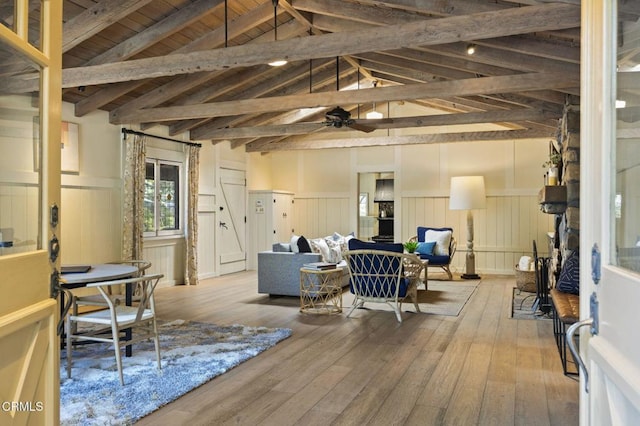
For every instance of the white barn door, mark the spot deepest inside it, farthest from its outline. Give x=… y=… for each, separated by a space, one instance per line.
x=232 y=221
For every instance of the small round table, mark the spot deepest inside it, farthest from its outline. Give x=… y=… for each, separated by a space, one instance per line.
x=321 y=291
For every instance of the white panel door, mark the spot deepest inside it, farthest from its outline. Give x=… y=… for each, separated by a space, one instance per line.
x=30 y=152
x=610 y=172
x=231 y=221
x=282 y=217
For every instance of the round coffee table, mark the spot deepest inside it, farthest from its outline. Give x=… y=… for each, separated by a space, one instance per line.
x=321 y=291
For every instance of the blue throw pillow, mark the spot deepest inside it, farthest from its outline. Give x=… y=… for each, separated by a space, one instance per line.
x=355 y=244
x=569 y=280
x=426 y=248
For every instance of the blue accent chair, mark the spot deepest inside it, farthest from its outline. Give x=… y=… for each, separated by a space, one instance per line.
x=382 y=273
x=437 y=260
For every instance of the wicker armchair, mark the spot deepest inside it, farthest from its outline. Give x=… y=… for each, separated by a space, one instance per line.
x=380 y=276
x=442 y=261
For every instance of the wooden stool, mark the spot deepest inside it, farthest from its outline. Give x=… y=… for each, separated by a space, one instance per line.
x=566 y=311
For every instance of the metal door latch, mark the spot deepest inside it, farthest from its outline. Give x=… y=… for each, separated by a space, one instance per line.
x=595 y=264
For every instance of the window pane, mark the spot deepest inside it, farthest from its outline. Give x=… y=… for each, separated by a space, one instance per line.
x=7 y=14
x=20 y=158
x=149 y=198
x=626 y=198
x=9 y=19
x=35 y=11
x=169 y=197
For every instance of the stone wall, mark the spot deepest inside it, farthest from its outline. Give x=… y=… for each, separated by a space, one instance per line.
x=569 y=141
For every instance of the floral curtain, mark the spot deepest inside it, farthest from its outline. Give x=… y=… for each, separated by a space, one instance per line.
x=191 y=261
x=133 y=203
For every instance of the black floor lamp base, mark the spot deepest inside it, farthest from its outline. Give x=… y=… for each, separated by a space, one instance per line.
x=470 y=276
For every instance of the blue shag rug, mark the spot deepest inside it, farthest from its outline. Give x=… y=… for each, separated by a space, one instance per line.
x=192 y=353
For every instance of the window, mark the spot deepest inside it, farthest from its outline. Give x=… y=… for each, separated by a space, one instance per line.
x=364 y=203
x=162 y=198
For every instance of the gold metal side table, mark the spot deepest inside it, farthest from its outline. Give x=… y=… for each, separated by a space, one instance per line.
x=321 y=291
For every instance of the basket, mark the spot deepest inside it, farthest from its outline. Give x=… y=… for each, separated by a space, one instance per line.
x=526 y=280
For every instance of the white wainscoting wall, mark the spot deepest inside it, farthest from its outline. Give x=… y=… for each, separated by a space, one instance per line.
x=167 y=257
x=316 y=217
x=206 y=236
x=503 y=232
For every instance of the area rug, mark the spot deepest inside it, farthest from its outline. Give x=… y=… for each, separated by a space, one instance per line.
x=442 y=298
x=192 y=354
x=522 y=306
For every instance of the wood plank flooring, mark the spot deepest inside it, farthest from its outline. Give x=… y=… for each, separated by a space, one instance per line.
x=480 y=368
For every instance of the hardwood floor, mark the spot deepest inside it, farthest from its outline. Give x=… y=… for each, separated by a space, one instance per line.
x=480 y=368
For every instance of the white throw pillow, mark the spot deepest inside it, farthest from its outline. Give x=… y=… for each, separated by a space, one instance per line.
x=294 y=243
x=335 y=248
x=343 y=240
x=319 y=245
x=442 y=239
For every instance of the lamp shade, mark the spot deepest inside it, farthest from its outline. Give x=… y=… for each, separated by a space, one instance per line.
x=467 y=192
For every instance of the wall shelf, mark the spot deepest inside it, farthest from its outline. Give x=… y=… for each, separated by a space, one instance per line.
x=553 y=199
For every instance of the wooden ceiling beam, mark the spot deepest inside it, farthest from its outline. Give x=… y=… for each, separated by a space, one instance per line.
x=474 y=86
x=501 y=58
x=359 y=13
x=156 y=32
x=511 y=116
x=435 y=7
x=95 y=19
x=437 y=138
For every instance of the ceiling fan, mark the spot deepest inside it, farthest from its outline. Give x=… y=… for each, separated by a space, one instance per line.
x=338 y=117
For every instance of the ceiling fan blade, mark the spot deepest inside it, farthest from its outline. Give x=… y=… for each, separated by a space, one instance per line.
x=361 y=127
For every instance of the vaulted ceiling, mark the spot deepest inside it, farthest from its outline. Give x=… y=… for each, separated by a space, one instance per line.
x=201 y=66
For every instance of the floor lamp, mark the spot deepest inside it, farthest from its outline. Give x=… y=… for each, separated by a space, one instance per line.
x=467 y=193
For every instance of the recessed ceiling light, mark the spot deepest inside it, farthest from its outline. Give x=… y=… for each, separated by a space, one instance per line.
x=278 y=63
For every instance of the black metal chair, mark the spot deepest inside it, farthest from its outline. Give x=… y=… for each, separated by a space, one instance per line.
x=541 y=265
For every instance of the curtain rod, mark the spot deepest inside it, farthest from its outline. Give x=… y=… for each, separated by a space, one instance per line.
x=134 y=132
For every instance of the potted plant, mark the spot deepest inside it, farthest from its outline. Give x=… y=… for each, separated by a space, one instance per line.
x=552 y=168
x=410 y=246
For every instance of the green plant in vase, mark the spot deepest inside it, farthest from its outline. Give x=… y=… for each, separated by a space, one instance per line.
x=552 y=165
x=410 y=246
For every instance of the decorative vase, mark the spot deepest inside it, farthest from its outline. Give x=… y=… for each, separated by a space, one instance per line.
x=552 y=176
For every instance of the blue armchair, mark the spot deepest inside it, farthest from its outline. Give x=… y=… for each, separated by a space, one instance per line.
x=382 y=273
x=439 y=254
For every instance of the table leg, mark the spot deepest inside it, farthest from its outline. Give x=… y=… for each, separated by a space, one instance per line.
x=128 y=298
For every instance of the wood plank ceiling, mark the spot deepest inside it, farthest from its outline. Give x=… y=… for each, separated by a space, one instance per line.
x=201 y=66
